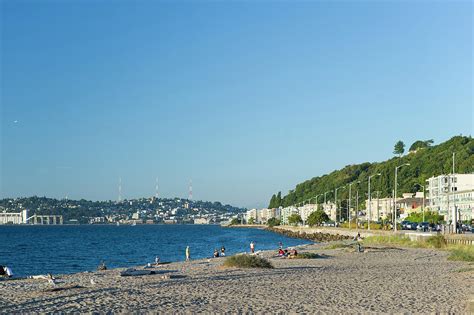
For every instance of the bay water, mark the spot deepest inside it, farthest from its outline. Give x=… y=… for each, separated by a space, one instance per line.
x=61 y=249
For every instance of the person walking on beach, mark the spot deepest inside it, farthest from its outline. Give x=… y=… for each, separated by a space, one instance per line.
x=252 y=247
x=188 y=254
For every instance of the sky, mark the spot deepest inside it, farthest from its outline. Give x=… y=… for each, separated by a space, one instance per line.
x=244 y=98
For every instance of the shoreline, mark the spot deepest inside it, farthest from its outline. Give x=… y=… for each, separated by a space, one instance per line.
x=343 y=282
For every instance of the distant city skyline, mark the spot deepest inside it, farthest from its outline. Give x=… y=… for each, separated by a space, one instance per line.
x=243 y=98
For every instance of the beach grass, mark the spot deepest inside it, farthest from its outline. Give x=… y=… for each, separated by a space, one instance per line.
x=461 y=253
x=435 y=241
x=247 y=261
x=337 y=245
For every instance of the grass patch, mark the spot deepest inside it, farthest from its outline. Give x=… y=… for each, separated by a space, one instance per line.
x=462 y=253
x=435 y=241
x=391 y=239
x=247 y=261
x=308 y=256
x=337 y=245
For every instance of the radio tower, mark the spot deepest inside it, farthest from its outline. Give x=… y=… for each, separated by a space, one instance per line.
x=156 y=188
x=120 y=190
x=190 y=197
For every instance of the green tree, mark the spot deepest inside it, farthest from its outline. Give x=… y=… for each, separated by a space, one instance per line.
x=273 y=202
x=317 y=217
x=420 y=144
x=273 y=222
x=294 y=219
x=399 y=148
x=251 y=220
x=234 y=221
x=278 y=199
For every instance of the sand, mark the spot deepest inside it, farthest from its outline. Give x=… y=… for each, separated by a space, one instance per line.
x=381 y=280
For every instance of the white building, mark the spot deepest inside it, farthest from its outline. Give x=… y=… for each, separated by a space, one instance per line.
x=306 y=210
x=14 y=218
x=286 y=212
x=330 y=209
x=460 y=190
x=201 y=221
x=252 y=213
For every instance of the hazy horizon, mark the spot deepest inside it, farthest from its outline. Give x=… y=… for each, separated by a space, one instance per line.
x=244 y=99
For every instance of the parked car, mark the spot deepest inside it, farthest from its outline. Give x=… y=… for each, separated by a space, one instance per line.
x=404 y=224
x=423 y=226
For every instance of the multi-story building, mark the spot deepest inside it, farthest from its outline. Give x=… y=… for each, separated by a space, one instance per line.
x=382 y=208
x=330 y=209
x=252 y=213
x=453 y=191
x=306 y=210
x=286 y=212
x=14 y=218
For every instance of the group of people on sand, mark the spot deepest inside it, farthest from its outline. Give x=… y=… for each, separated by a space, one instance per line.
x=222 y=252
x=6 y=272
x=287 y=253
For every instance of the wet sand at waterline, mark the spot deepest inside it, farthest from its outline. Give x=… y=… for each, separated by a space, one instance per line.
x=379 y=280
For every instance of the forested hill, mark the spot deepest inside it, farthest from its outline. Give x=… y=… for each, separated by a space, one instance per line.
x=425 y=161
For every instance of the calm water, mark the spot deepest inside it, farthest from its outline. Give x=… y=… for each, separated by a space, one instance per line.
x=66 y=249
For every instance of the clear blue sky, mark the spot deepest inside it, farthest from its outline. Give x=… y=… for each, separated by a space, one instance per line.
x=245 y=98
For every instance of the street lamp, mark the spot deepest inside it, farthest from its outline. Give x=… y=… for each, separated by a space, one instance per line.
x=370 y=202
x=335 y=200
x=349 y=206
x=423 y=204
x=395 y=197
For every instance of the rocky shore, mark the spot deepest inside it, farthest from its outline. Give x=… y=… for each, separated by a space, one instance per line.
x=379 y=280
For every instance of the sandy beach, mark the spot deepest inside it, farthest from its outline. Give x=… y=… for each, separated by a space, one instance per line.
x=380 y=280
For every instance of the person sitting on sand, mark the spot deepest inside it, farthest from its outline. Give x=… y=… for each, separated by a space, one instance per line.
x=222 y=250
x=293 y=253
x=216 y=253
x=102 y=266
x=7 y=272
x=281 y=252
x=2 y=271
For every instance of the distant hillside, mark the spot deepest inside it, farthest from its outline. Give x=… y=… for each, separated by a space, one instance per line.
x=426 y=162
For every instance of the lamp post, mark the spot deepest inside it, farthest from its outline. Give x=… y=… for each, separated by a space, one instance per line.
x=395 y=197
x=423 y=204
x=349 y=206
x=335 y=200
x=370 y=202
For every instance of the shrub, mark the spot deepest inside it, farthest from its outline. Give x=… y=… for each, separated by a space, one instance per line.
x=247 y=261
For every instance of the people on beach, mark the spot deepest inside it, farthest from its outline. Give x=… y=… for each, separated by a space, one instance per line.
x=252 y=247
x=357 y=237
x=222 y=250
x=102 y=266
x=293 y=253
x=216 y=253
x=281 y=253
x=6 y=272
x=280 y=245
x=157 y=260
x=188 y=254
